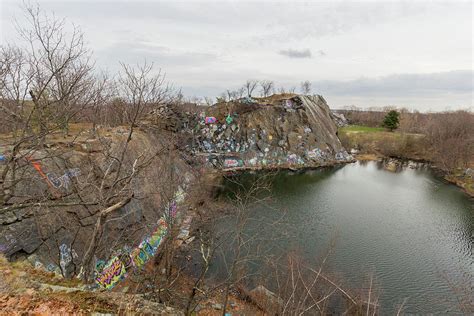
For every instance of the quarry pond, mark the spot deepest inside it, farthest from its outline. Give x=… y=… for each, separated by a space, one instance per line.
x=411 y=231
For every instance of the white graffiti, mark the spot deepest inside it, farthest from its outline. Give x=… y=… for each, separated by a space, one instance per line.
x=66 y=256
x=64 y=180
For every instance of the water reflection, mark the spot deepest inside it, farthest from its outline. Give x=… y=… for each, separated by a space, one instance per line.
x=407 y=227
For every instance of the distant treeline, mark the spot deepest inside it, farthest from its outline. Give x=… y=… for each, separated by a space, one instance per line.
x=449 y=136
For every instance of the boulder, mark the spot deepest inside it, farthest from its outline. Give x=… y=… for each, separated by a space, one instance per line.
x=266 y=300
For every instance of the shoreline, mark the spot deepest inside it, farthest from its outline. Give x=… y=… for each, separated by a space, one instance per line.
x=446 y=176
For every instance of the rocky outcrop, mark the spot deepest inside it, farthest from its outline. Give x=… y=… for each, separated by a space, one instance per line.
x=56 y=237
x=283 y=131
x=266 y=300
x=340 y=119
x=294 y=131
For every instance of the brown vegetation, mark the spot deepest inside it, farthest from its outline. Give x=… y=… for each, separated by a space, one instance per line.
x=445 y=138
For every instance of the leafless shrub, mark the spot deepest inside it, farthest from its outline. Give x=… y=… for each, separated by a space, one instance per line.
x=267 y=87
x=305 y=87
x=250 y=86
x=446 y=138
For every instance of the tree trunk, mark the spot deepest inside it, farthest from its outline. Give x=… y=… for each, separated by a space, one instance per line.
x=86 y=262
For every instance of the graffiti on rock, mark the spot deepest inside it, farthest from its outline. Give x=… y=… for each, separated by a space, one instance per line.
x=343 y=155
x=179 y=195
x=139 y=257
x=288 y=104
x=136 y=257
x=253 y=161
x=10 y=242
x=112 y=273
x=210 y=120
x=172 y=209
x=51 y=179
x=99 y=265
x=64 y=180
x=37 y=165
x=233 y=162
x=53 y=268
x=65 y=257
x=294 y=159
x=316 y=154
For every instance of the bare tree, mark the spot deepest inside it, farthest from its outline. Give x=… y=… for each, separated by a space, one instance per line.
x=302 y=288
x=250 y=86
x=239 y=93
x=42 y=88
x=103 y=92
x=61 y=67
x=267 y=87
x=209 y=101
x=140 y=88
x=222 y=97
x=306 y=87
x=231 y=95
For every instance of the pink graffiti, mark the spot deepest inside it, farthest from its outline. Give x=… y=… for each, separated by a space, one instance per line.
x=210 y=120
x=231 y=162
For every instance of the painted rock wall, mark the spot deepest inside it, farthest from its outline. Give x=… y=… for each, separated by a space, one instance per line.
x=56 y=238
x=297 y=131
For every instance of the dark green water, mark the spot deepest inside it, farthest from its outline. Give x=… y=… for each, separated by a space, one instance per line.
x=410 y=230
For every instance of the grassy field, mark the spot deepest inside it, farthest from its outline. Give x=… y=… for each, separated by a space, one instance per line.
x=361 y=129
x=381 y=142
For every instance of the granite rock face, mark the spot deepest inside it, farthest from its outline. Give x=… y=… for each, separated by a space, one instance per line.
x=280 y=131
x=296 y=130
x=56 y=238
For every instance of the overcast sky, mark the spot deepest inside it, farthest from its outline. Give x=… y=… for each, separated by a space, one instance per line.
x=405 y=53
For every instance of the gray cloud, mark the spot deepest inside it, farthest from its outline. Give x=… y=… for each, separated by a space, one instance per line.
x=459 y=81
x=294 y=53
x=349 y=50
x=138 y=50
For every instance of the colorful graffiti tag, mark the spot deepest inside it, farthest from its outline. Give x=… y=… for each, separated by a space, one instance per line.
x=136 y=258
x=210 y=120
x=37 y=165
x=294 y=159
x=315 y=154
x=51 y=179
x=233 y=162
x=112 y=273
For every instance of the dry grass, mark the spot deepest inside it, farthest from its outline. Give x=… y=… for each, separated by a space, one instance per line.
x=378 y=142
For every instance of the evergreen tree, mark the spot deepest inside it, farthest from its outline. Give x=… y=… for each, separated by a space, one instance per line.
x=391 y=120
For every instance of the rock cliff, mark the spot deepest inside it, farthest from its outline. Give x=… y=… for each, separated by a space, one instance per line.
x=278 y=131
x=282 y=131
x=71 y=183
